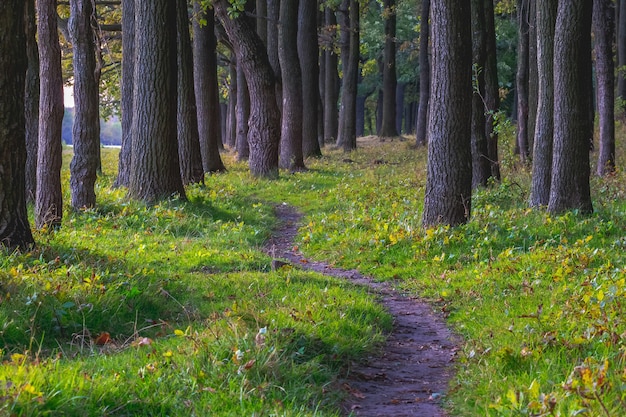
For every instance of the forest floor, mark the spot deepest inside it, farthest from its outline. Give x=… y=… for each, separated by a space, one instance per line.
x=410 y=374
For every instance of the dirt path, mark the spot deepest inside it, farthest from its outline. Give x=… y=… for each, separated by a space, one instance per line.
x=412 y=374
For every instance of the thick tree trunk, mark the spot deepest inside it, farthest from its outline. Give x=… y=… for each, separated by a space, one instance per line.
x=264 y=124
x=533 y=83
x=189 y=154
x=273 y=15
x=603 y=32
x=308 y=53
x=522 y=80
x=128 y=75
x=207 y=89
x=422 y=113
x=481 y=168
x=49 y=198
x=231 y=127
x=242 y=110
x=86 y=129
x=292 y=117
x=388 y=127
x=155 y=170
x=621 y=54
x=572 y=130
x=331 y=82
x=544 y=128
x=492 y=90
x=31 y=104
x=449 y=174
x=14 y=228
x=347 y=135
x=261 y=20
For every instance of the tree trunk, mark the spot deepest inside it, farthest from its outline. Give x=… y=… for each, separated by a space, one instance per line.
x=492 y=90
x=347 y=135
x=231 y=127
x=31 y=104
x=14 y=228
x=273 y=15
x=264 y=124
x=449 y=173
x=532 y=76
x=243 y=116
x=331 y=82
x=399 y=105
x=49 y=198
x=207 y=89
x=308 y=54
x=422 y=114
x=261 y=20
x=155 y=170
x=572 y=130
x=86 y=128
x=603 y=31
x=388 y=127
x=544 y=128
x=522 y=79
x=292 y=117
x=621 y=54
x=128 y=75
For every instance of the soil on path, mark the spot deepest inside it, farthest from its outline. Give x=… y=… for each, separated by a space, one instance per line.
x=411 y=375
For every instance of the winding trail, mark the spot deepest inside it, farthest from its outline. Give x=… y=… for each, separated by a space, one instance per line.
x=411 y=375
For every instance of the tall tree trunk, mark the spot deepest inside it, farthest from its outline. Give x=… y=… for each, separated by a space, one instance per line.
x=533 y=82
x=308 y=54
x=343 y=23
x=86 y=128
x=31 y=104
x=492 y=90
x=449 y=173
x=261 y=20
x=128 y=75
x=49 y=198
x=207 y=89
x=155 y=169
x=14 y=228
x=603 y=31
x=522 y=79
x=388 y=127
x=231 y=127
x=621 y=54
x=544 y=128
x=273 y=16
x=264 y=125
x=243 y=116
x=331 y=82
x=292 y=118
x=572 y=130
x=422 y=113
x=481 y=168
x=189 y=154
x=347 y=136
x=399 y=105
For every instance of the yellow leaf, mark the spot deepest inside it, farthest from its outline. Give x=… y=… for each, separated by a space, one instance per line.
x=600 y=295
x=533 y=390
x=178 y=332
x=511 y=395
x=168 y=354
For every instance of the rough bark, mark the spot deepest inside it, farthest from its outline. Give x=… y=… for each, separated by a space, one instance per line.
x=331 y=81
x=207 y=90
x=533 y=82
x=242 y=110
x=621 y=54
x=544 y=128
x=14 y=228
x=273 y=15
x=86 y=128
x=49 y=199
x=603 y=31
x=388 y=127
x=31 y=103
x=155 y=170
x=449 y=173
x=261 y=20
x=347 y=133
x=422 y=114
x=481 y=168
x=128 y=69
x=292 y=116
x=492 y=90
x=308 y=54
x=522 y=80
x=572 y=130
x=264 y=124
x=231 y=127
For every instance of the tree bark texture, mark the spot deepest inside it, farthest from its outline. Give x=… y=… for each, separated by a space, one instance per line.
x=49 y=199
x=544 y=128
x=492 y=89
x=292 y=116
x=128 y=69
x=243 y=116
x=308 y=54
x=264 y=124
x=572 y=130
x=14 y=228
x=155 y=170
x=422 y=113
x=603 y=32
x=261 y=20
x=31 y=103
x=206 y=89
x=331 y=81
x=533 y=82
x=388 y=127
x=449 y=173
x=621 y=53
x=347 y=133
x=522 y=79
x=86 y=128
x=273 y=16
x=231 y=127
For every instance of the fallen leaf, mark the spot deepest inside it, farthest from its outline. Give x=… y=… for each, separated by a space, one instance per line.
x=103 y=338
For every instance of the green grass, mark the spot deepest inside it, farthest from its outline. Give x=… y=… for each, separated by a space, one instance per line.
x=199 y=324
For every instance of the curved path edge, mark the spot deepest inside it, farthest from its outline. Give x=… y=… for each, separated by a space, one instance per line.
x=411 y=374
